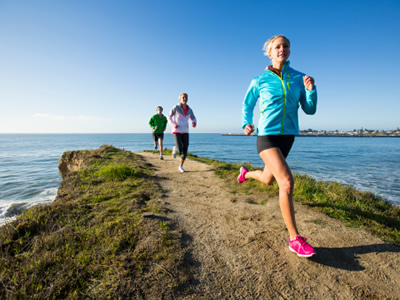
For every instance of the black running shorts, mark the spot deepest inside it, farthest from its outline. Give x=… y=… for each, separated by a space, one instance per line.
x=283 y=142
x=157 y=136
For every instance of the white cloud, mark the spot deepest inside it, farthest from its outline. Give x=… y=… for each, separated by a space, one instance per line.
x=52 y=117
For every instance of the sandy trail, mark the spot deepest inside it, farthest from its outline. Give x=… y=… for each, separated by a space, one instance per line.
x=239 y=250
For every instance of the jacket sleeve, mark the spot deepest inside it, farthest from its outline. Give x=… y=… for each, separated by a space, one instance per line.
x=249 y=102
x=308 y=101
x=192 y=117
x=151 y=123
x=165 y=123
x=171 y=116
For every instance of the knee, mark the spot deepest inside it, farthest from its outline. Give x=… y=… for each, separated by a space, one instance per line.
x=286 y=184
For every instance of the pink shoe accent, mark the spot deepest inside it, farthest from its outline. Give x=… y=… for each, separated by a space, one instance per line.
x=301 y=247
x=241 y=177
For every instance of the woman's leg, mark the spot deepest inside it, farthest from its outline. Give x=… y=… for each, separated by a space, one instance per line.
x=179 y=146
x=185 y=147
x=277 y=168
x=178 y=142
x=264 y=176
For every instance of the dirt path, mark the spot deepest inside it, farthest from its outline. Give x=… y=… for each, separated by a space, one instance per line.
x=239 y=250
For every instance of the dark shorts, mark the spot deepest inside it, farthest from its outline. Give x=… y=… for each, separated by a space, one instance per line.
x=283 y=142
x=157 y=136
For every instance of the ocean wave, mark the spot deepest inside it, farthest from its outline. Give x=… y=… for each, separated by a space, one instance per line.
x=10 y=210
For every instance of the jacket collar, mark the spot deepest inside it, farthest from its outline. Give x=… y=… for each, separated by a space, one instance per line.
x=285 y=67
x=180 y=105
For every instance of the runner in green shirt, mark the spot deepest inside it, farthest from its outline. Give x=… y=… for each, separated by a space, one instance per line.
x=158 y=124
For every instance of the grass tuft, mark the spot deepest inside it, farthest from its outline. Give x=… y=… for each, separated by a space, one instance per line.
x=118 y=172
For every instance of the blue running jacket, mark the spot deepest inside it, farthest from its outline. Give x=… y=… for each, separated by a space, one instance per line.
x=280 y=99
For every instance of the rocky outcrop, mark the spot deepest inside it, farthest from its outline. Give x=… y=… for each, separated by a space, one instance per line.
x=72 y=161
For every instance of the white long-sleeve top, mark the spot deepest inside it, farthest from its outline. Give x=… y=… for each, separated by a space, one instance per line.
x=176 y=116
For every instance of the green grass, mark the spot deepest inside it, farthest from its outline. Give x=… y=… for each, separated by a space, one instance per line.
x=355 y=208
x=118 y=172
x=93 y=241
x=342 y=202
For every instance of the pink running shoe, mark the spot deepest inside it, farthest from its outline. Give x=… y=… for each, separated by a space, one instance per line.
x=301 y=247
x=243 y=172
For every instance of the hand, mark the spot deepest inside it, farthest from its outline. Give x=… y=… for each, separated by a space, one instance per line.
x=248 y=129
x=194 y=124
x=308 y=82
x=176 y=126
x=155 y=128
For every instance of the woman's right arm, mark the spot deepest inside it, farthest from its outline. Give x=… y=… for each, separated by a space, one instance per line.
x=171 y=118
x=249 y=103
x=248 y=129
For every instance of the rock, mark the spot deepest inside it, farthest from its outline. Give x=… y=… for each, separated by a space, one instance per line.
x=72 y=161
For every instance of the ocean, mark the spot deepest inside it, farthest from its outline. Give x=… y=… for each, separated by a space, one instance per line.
x=29 y=162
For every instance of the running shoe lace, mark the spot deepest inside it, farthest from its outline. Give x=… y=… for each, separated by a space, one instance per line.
x=302 y=240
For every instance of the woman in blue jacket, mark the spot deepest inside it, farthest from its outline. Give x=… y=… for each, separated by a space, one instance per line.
x=281 y=90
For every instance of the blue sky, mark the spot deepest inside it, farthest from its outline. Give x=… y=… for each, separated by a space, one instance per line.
x=95 y=66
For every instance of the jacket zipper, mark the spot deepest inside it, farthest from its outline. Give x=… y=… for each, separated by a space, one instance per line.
x=284 y=96
x=284 y=104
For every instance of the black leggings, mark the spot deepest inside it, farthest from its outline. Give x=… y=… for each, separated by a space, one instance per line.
x=182 y=143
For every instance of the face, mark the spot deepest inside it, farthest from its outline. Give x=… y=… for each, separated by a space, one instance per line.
x=159 y=111
x=183 y=99
x=280 y=51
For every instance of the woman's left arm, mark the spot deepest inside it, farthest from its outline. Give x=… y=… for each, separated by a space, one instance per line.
x=309 y=100
x=308 y=82
x=193 y=118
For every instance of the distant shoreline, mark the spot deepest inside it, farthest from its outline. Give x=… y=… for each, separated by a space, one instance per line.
x=320 y=135
x=359 y=133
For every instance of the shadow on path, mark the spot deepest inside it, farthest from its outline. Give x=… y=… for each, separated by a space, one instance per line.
x=347 y=258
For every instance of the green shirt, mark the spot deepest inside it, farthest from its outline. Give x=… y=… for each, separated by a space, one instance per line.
x=160 y=122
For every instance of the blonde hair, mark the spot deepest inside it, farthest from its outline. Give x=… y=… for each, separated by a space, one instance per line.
x=268 y=44
x=183 y=94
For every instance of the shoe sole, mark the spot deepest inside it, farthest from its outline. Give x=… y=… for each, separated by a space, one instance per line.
x=301 y=255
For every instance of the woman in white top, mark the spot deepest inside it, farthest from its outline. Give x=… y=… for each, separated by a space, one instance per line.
x=179 y=117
